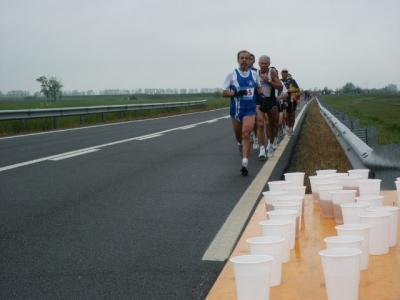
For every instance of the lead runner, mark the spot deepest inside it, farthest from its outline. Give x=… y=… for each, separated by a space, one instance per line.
x=240 y=86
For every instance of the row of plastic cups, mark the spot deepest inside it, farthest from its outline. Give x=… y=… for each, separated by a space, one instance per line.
x=256 y=273
x=287 y=190
x=362 y=186
x=383 y=220
x=348 y=253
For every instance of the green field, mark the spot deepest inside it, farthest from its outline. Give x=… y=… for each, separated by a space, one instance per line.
x=380 y=110
x=214 y=101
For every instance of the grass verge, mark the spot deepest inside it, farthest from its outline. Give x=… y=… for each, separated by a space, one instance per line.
x=317 y=148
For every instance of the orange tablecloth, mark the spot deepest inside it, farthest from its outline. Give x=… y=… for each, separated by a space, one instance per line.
x=303 y=277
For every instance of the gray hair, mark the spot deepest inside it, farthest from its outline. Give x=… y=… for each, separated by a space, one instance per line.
x=264 y=57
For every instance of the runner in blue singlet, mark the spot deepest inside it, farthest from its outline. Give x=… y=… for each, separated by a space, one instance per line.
x=240 y=86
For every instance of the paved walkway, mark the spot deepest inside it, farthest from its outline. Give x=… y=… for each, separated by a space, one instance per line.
x=302 y=277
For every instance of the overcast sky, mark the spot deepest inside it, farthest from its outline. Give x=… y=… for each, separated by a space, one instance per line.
x=130 y=44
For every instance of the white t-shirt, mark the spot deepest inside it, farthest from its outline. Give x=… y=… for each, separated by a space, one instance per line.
x=284 y=90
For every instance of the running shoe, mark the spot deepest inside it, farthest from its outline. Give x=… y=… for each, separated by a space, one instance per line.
x=270 y=151
x=262 y=154
x=290 y=132
x=275 y=144
x=255 y=143
x=244 y=170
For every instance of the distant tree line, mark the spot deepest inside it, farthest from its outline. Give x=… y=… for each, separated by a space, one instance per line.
x=51 y=89
x=350 y=88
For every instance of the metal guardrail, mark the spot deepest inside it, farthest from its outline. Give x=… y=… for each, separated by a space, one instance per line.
x=382 y=161
x=23 y=114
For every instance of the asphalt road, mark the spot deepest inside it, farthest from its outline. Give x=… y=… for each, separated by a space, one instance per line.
x=118 y=211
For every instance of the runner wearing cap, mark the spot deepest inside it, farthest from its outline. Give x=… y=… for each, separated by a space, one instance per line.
x=292 y=88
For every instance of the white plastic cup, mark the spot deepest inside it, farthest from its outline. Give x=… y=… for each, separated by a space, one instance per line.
x=397 y=182
x=294 y=199
x=291 y=205
x=336 y=176
x=342 y=272
x=345 y=241
x=339 y=197
x=270 y=198
x=295 y=178
x=296 y=190
x=359 y=230
x=325 y=199
x=277 y=185
x=393 y=221
x=351 y=211
x=363 y=172
x=269 y=245
x=282 y=228
x=252 y=276
x=373 y=200
x=325 y=182
x=369 y=186
x=350 y=182
x=286 y=214
x=325 y=172
x=379 y=234
x=314 y=179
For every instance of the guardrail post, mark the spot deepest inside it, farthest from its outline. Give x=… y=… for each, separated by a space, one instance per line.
x=121 y=115
x=149 y=112
x=136 y=113
x=23 y=125
x=82 y=119
x=103 y=116
x=372 y=136
x=55 y=122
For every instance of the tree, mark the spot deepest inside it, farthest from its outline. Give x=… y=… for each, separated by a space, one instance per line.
x=392 y=88
x=348 y=88
x=51 y=88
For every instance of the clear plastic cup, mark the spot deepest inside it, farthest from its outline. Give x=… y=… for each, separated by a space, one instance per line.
x=342 y=272
x=277 y=185
x=282 y=228
x=270 y=197
x=350 y=183
x=363 y=172
x=379 y=234
x=369 y=186
x=393 y=221
x=291 y=205
x=339 y=197
x=360 y=230
x=269 y=245
x=325 y=199
x=313 y=181
x=295 y=178
x=252 y=276
x=286 y=214
x=351 y=211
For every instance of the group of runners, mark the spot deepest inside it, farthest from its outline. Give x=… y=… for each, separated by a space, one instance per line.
x=263 y=106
